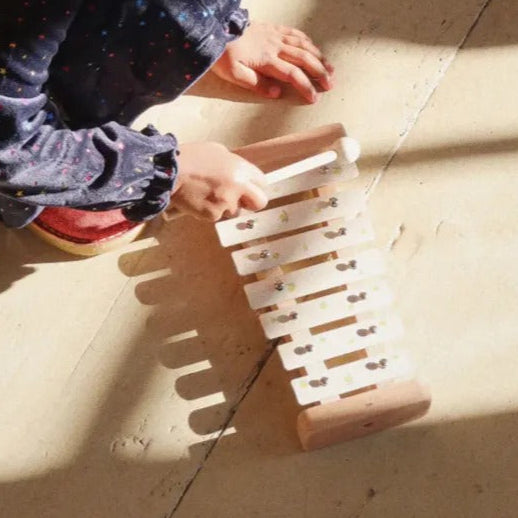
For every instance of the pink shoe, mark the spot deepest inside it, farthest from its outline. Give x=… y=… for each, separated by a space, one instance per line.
x=85 y=233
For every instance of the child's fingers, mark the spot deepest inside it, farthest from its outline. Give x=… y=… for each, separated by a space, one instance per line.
x=251 y=80
x=289 y=73
x=306 y=44
x=245 y=172
x=252 y=183
x=330 y=68
x=229 y=214
x=307 y=61
x=291 y=31
x=230 y=208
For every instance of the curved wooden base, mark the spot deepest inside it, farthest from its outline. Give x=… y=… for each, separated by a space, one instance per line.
x=88 y=249
x=360 y=415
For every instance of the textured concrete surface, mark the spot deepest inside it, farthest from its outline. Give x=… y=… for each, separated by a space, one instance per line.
x=138 y=384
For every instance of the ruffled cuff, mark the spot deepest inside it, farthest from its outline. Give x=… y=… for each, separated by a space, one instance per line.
x=157 y=193
x=237 y=22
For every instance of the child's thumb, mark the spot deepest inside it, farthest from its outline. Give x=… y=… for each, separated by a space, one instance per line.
x=252 y=184
x=253 y=197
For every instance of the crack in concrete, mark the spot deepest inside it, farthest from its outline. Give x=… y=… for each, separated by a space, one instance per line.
x=442 y=72
x=371 y=493
x=246 y=386
x=438 y=228
x=399 y=234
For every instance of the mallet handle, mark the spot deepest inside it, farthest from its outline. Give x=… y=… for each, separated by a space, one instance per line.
x=300 y=167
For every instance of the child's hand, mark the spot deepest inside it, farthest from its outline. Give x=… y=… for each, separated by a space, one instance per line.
x=267 y=54
x=213 y=182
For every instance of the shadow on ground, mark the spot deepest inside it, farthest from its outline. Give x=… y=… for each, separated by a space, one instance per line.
x=442 y=469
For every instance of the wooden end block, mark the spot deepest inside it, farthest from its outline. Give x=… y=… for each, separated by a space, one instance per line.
x=363 y=414
x=281 y=151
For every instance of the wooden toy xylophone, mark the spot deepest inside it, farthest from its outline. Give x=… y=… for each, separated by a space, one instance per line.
x=319 y=288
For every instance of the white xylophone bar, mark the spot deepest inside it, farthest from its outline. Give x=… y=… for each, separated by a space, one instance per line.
x=336 y=381
x=364 y=334
x=360 y=297
x=312 y=279
x=337 y=235
x=347 y=205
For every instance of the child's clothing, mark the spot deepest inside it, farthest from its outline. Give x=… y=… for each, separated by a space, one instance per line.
x=73 y=73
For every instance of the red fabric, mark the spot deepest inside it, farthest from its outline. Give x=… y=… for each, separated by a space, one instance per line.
x=82 y=226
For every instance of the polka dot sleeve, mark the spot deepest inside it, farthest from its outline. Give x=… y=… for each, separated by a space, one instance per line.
x=42 y=162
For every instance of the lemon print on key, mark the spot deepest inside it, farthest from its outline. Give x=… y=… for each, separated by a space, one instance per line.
x=283 y=217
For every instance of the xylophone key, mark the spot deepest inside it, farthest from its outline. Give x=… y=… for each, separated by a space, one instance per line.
x=320 y=277
x=359 y=297
x=350 y=377
x=305 y=213
x=367 y=333
x=337 y=235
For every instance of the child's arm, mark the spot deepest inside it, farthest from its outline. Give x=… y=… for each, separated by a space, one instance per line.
x=43 y=164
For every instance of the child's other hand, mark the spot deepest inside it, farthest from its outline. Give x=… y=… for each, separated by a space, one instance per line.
x=213 y=182
x=267 y=55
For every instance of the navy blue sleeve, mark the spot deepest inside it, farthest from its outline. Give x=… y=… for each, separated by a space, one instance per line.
x=42 y=163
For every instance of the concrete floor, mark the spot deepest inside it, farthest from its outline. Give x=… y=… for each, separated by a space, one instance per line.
x=108 y=411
